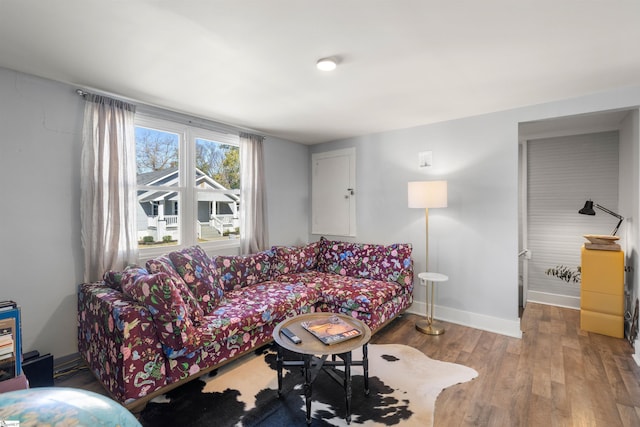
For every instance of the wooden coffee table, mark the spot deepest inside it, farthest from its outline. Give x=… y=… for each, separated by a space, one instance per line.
x=315 y=354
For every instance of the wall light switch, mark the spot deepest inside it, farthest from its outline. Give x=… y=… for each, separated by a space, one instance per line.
x=425 y=158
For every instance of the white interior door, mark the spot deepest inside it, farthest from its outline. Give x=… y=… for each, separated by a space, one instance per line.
x=333 y=203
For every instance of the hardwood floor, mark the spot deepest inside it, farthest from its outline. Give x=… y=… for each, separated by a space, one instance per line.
x=556 y=375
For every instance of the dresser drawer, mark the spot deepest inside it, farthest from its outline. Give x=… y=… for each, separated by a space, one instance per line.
x=601 y=323
x=602 y=303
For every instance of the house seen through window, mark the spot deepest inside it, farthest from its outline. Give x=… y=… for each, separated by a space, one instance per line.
x=188 y=185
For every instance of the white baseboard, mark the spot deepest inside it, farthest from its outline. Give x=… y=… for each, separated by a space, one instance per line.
x=636 y=355
x=483 y=322
x=554 y=299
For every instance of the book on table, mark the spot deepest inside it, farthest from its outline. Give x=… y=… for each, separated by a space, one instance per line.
x=331 y=330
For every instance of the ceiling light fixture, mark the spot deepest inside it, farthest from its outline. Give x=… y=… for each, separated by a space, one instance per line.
x=327 y=64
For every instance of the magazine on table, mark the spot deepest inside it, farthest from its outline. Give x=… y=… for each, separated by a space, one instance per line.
x=331 y=330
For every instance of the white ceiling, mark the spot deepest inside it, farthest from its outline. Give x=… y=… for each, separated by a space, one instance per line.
x=404 y=63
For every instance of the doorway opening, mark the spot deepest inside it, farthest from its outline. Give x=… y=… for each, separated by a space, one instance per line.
x=563 y=162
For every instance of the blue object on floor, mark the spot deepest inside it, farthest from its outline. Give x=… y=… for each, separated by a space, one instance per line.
x=65 y=406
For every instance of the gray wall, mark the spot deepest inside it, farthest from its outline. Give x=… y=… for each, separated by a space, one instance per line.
x=475 y=239
x=41 y=261
x=470 y=240
x=41 y=255
x=288 y=206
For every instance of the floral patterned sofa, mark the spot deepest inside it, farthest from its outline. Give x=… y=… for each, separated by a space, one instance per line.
x=144 y=331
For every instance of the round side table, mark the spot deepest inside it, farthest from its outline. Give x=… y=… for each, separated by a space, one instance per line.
x=310 y=347
x=427 y=325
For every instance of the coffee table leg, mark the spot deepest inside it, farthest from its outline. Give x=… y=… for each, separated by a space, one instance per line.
x=307 y=386
x=279 y=369
x=365 y=367
x=347 y=384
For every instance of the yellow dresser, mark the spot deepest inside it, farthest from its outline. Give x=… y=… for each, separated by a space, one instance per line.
x=602 y=292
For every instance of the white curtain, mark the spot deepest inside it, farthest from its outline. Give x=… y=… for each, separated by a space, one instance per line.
x=108 y=182
x=253 y=206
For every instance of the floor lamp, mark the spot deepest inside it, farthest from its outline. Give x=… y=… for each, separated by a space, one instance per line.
x=427 y=194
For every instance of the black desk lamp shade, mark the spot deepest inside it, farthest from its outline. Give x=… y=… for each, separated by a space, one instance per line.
x=588 y=210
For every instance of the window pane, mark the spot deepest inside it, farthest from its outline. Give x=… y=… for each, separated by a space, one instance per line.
x=218 y=217
x=157 y=157
x=218 y=190
x=158 y=221
x=219 y=163
x=156 y=150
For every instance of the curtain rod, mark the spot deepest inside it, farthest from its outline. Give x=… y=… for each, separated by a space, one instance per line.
x=168 y=114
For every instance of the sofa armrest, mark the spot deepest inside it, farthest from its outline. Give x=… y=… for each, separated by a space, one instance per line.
x=117 y=339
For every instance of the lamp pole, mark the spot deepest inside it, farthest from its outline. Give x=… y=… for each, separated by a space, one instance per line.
x=426 y=243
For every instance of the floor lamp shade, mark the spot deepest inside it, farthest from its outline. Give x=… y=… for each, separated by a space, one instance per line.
x=427 y=194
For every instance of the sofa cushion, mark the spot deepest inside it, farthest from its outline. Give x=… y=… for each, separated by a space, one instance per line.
x=350 y=293
x=375 y=318
x=235 y=272
x=264 y=303
x=163 y=264
x=159 y=293
x=295 y=259
x=195 y=268
x=357 y=294
x=389 y=263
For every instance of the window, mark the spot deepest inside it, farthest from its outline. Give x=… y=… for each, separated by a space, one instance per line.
x=188 y=185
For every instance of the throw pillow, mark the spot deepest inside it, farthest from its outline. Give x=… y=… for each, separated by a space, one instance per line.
x=113 y=279
x=346 y=258
x=390 y=263
x=323 y=247
x=235 y=272
x=193 y=265
x=129 y=275
x=161 y=296
x=295 y=259
x=395 y=264
x=163 y=264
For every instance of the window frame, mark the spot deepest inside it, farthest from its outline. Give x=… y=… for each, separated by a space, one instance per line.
x=188 y=133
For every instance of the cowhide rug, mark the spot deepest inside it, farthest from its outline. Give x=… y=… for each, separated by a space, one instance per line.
x=403 y=382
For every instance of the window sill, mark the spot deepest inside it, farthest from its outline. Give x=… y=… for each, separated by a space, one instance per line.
x=219 y=247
